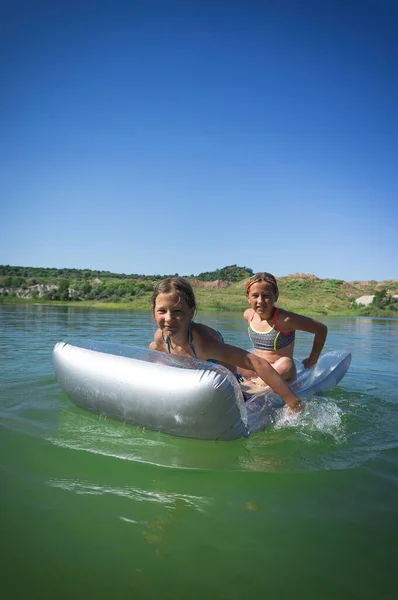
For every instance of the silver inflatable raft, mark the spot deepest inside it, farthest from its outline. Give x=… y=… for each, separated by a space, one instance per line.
x=176 y=395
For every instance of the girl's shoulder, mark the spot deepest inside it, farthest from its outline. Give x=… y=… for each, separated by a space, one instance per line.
x=292 y=321
x=289 y=321
x=248 y=314
x=204 y=331
x=158 y=341
x=284 y=318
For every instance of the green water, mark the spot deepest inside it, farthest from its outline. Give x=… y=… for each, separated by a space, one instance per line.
x=93 y=508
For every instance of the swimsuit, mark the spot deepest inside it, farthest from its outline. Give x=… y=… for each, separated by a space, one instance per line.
x=212 y=360
x=167 y=340
x=271 y=340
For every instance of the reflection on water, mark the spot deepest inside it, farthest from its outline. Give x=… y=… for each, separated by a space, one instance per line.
x=171 y=501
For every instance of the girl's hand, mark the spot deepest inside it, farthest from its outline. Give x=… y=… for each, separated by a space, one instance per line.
x=293 y=410
x=308 y=362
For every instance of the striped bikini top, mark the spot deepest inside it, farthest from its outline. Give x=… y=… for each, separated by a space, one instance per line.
x=272 y=340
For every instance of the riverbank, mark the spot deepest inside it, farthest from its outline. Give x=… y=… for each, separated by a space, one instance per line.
x=301 y=292
x=143 y=304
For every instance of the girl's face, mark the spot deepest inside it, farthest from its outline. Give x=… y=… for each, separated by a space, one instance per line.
x=261 y=297
x=172 y=314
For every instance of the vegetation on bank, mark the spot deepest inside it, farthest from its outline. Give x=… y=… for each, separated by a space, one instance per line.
x=222 y=289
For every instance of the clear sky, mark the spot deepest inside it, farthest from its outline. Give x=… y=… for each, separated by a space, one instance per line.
x=159 y=137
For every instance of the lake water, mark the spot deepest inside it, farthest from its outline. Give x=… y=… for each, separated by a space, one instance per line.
x=94 y=508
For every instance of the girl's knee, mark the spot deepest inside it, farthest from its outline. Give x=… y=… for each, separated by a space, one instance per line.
x=286 y=368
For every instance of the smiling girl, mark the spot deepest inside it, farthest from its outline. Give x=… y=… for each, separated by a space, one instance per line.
x=174 y=306
x=272 y=330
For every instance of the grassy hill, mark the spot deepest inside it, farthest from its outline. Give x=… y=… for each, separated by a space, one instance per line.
x=305 y=294
x=300 y=292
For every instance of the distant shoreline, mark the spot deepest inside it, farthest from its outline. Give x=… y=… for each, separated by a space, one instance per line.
x=215 y=291
x=376 y=313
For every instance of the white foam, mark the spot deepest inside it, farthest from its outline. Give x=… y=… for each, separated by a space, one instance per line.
x=319 y=416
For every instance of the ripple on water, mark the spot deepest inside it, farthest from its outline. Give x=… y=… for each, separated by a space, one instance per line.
x=334 y=432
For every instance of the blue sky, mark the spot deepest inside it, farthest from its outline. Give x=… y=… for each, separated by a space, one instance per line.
x=159 y=136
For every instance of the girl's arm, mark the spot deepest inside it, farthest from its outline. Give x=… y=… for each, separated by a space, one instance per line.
x=247 y=360
x=291 y=321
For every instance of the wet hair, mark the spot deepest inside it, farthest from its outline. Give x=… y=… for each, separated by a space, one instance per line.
x=179 y=286
x=263 y=278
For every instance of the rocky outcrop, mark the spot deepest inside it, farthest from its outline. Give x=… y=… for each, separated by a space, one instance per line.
x=41 y=289
x=364 y=300
x=211 y=285
x=307 y=276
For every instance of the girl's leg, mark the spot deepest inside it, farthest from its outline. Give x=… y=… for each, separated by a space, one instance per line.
x=286 y=368
x=247 y=373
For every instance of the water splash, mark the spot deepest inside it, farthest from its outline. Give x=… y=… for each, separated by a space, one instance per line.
x=320 y=416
